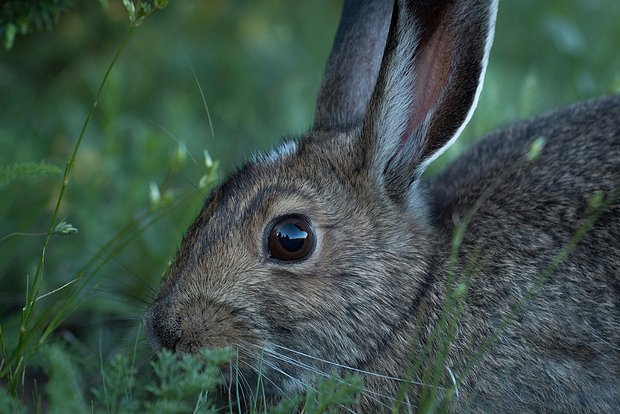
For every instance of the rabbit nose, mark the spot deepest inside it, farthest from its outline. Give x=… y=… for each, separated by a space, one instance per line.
x=162 y=330
x=168 y=338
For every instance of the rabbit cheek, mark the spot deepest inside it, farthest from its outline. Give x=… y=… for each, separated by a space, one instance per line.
x=212 y=325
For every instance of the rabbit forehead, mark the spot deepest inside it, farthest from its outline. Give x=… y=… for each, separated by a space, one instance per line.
x=322 y=177
x=315 y=168
x=230 y=230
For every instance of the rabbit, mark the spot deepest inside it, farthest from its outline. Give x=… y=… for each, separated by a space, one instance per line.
x=335 y=254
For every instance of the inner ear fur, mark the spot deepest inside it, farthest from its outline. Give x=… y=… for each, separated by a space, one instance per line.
x=428 y=85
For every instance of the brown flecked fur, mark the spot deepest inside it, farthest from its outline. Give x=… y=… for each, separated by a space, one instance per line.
x=378 y=275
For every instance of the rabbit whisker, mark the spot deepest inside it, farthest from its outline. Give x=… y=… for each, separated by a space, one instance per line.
x=315 y=370
x=301 y=383
x=361 y=371
x=260 y=373
x=245 y=385
x=264 y=377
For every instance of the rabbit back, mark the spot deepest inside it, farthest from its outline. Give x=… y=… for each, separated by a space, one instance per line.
x=561 y=350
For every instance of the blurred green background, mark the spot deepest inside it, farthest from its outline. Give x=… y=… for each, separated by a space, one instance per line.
x=259 y=64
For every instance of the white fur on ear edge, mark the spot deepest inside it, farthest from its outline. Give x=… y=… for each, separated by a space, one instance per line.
x=485 y=61
x=415 y=199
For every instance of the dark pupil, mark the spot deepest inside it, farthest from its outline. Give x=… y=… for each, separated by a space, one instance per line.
x=291 y=237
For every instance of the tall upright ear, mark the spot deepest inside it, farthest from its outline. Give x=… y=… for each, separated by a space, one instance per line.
x=353 y=65
x=428 y=86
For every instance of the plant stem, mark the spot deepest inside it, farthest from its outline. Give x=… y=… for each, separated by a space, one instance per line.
x=35 y=287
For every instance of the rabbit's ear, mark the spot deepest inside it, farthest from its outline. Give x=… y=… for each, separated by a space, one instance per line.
x=428 y=86
x=353 y=65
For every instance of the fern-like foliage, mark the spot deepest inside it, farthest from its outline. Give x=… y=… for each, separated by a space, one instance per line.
x=22 y=170
x=19 y=17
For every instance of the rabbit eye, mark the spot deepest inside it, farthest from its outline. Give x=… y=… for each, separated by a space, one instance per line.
x=290 y=238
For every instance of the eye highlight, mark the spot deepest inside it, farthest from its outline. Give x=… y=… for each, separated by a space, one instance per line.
x=290 y=238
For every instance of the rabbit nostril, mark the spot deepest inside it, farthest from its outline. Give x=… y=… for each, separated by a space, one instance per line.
x=165 y=335
x=169 y=338
x=175 y=344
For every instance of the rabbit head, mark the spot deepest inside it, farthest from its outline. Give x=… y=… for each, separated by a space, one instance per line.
x=323 y=247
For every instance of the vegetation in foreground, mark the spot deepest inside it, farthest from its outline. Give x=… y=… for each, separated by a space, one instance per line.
x=80 y=245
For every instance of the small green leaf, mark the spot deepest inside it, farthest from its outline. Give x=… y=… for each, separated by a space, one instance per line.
x=9 y=36
x=131 y=9
x=160 y=4
x=154 y=194
x=460 y=291
x=207 y=180
x=178 y=158
x=208 y=161
x=145 y=9
x=596 y=200
x=535 y=148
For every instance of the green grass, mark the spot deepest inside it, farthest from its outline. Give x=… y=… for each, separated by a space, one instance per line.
x=71 y=301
